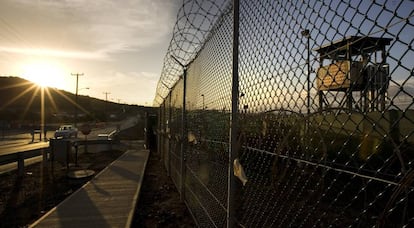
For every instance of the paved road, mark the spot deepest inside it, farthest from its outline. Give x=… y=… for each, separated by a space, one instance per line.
x=18 y=142
x=23 y=141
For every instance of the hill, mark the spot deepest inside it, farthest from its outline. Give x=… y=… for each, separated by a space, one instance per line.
x=21 y=103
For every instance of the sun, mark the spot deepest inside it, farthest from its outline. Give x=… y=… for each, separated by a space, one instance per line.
x=44 y=74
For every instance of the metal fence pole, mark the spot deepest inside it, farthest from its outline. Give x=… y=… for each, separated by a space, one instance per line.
x=183 y=137
x=183 y=128
x=234 y=128
x=159 y=124
x=169 y=132
x=306 y=34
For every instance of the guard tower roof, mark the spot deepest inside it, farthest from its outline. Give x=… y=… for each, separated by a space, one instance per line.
x=357 y=45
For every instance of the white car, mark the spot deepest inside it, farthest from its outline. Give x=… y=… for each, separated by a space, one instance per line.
x=66 y=131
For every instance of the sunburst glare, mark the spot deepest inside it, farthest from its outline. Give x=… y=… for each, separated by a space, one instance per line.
x=45 y=74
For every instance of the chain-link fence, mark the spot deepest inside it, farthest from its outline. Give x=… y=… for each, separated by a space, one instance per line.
x=319 y=126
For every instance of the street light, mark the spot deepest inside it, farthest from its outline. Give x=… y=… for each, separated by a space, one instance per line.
x=305 y=33
x=202 y=95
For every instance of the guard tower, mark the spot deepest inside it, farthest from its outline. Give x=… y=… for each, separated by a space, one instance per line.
x=354 y=67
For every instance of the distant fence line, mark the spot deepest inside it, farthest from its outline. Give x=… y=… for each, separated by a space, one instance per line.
x=291 y=113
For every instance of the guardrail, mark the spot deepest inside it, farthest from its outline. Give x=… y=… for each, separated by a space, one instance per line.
x=109 y=136
x=19 y=157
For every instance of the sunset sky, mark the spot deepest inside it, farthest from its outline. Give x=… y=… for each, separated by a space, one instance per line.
x=119 y=46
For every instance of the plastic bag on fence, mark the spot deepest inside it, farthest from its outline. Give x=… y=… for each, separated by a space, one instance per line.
x=239 y=172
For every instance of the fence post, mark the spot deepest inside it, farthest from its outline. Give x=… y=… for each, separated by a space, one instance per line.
x=20 y=164
x=184 y=136
x=146 y=134
x=233 y=187
x=159 y=124
x=183 y=129
x=169 y=134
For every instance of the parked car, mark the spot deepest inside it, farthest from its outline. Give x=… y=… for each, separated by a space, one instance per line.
x=66 y=131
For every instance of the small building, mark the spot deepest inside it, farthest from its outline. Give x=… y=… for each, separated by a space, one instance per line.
x=358 y=69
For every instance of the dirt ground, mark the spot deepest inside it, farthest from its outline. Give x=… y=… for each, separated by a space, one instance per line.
x=24 y=200
x=159 y=202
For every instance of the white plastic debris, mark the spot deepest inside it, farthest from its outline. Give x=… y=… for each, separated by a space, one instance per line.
x=239 y=172
x=192 y=138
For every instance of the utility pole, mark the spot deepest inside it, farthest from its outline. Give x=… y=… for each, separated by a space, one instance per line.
x=76 y=96
x=106 y=101
x=106 y=95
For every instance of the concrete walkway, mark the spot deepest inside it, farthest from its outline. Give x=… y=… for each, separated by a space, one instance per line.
x=108 y=200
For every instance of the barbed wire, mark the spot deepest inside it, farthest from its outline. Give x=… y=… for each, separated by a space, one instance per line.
x=195 y=20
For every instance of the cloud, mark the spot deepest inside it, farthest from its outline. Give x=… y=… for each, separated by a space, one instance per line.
x=401 y=88
x=130 y=87
x=131 y=36
x=55 y=53
x=99 y=27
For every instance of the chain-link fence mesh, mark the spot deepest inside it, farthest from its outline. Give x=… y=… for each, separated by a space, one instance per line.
x=174 y=133
x=326 y=120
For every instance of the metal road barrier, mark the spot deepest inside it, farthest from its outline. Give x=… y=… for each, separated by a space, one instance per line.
x=19 y=157
x=291 y=113
x=59 y=151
